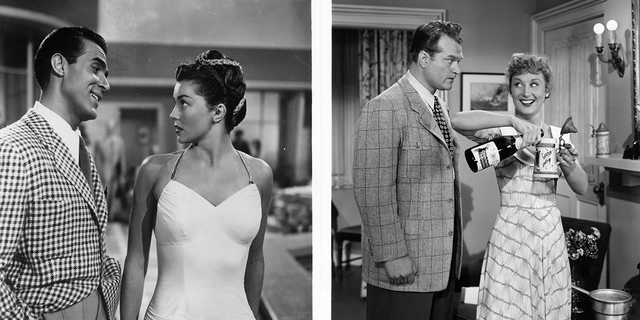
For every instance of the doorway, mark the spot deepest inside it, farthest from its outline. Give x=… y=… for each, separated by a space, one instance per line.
x=140 y=129
x=566 y=39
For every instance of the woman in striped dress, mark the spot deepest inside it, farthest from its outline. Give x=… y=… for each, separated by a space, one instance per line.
x=525 y=273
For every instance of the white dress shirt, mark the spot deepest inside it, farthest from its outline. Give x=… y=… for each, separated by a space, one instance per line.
x=427 y=96
x=62 y=128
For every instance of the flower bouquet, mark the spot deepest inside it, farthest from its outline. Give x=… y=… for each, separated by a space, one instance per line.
x=580 y=245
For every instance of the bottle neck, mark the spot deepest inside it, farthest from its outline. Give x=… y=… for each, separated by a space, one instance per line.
x=519 y=142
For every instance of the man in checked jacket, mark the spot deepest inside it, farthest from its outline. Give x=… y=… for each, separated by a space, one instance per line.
x=407 y=186
x=53 y=216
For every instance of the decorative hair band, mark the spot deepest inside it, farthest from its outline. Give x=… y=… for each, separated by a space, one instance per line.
x=219 y=62
x=236 y=110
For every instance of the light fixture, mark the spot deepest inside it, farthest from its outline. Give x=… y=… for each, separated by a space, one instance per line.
x=616 y=59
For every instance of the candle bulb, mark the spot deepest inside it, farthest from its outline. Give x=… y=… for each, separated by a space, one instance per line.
x=598 y=29
x=612 y=36
x=612 y=25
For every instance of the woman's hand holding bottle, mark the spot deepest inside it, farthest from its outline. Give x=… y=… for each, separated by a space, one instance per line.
x=531 y=133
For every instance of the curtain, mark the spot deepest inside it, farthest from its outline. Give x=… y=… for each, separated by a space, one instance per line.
x=383 y=55
x=364 y=63
x=345 y=103
x=576 y=73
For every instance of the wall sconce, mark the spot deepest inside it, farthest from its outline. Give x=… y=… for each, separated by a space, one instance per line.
x=616 y=59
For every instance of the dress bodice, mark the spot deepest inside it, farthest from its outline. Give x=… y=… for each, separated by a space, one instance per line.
x=519 y=188
x=202 y=253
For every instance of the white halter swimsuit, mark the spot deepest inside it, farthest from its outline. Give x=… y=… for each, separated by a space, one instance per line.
x=202 y=252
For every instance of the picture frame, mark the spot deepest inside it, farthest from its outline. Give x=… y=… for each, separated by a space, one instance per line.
x=486 y=91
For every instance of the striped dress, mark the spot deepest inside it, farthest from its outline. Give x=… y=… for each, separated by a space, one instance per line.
x=525 y=273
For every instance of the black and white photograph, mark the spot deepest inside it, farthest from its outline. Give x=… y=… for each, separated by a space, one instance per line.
x=156 y=159
x=423 y=227
x=311 y=159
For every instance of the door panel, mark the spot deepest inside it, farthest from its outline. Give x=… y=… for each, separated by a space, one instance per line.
x=585 y=206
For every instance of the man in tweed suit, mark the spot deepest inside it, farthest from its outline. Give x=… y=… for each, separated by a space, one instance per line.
x=407 y=186
x=53 y=217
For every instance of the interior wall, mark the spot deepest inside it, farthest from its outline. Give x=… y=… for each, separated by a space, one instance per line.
x=282 y=24
x=542 y=5
x=623 y=203
x=80 y=12
x=128 y=60
x=620 y=113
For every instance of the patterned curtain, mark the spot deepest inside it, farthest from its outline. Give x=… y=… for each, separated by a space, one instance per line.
x=576 y=73
x=384 y=60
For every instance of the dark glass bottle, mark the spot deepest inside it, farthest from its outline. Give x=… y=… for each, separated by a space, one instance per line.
x=492 y=152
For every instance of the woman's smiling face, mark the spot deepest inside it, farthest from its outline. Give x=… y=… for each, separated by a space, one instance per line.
x=528 y=91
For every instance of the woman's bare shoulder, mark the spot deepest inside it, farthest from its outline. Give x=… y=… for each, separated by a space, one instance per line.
x=260 y=170
x=154 y=165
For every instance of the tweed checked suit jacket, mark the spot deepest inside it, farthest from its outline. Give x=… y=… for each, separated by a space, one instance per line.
x=407 y=189
x=52 y=226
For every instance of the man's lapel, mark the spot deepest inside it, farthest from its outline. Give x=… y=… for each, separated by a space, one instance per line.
x=425 y=118
x=62 y=158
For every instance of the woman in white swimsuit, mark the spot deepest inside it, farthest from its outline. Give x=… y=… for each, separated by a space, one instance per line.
x=207 y=205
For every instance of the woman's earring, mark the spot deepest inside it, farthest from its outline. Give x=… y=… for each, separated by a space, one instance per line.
x=546 y=96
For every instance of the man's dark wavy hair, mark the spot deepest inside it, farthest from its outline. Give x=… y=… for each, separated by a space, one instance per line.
x=67 y=41
x=426 y=37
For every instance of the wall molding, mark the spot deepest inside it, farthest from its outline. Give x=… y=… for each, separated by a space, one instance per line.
x=170 y=82
x=567 y=14
x=379 y=17
x=33 y=16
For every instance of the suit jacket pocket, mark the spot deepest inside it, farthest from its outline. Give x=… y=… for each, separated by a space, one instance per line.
x=409 y=160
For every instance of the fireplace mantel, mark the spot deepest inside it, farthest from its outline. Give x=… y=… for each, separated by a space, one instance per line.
x=630 y=169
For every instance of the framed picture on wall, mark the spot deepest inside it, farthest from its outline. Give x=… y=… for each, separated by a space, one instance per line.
x=486 y=91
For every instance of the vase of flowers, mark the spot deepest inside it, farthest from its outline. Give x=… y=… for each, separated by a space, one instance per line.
x=580 y=246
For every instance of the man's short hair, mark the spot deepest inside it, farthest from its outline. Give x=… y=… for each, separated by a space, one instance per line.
x=427 y=36
x=67 y=41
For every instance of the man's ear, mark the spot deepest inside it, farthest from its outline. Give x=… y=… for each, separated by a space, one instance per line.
x=423 y=59
x=58 y=64
x=218 y=112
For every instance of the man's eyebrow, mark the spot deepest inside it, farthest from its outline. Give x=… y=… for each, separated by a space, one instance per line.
x=102 y=64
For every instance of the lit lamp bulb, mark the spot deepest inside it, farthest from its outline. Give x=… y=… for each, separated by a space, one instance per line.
x=598 y=29
x=612 y=25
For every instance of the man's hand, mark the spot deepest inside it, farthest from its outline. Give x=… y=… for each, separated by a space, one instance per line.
x=400 y=271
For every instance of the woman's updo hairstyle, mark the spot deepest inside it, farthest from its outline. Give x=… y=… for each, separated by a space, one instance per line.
x=219 y=79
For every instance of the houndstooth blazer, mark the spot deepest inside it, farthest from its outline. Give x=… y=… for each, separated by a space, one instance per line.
x=407 y=189
x=52 y=226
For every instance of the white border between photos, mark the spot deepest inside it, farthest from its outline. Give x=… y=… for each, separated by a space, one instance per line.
x=321 y=155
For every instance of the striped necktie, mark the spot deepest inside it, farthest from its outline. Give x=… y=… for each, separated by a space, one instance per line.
x=85 y=163
x=439 y=117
